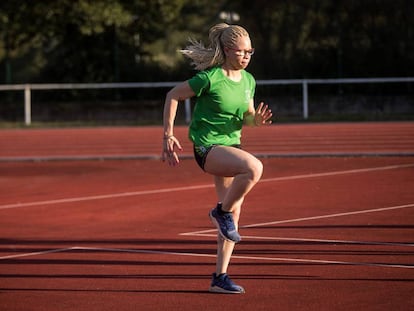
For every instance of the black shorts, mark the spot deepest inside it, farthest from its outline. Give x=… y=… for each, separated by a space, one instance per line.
x=201 y=152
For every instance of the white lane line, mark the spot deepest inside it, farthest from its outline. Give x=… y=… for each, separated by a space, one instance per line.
x=103 y=196
x=314 y=261
x=327 y=262
x=361 y=170
x=251 y=237
x=58 y=250
x=331 y=215
x=186 y=188
x=259 y=258
x=310 y=218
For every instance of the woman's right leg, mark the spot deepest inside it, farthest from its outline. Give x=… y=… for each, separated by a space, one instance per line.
x=233 y=162
x=221 y=282
x=225 y=248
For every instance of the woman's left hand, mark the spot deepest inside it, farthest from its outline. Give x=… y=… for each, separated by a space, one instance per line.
x=262 y=115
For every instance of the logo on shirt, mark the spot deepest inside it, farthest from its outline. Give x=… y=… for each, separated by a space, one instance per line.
x=247 y=94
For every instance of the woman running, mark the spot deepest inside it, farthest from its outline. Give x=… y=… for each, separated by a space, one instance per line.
x=224 y=93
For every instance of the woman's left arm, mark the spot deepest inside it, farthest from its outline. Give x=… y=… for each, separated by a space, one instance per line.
x=258 y=117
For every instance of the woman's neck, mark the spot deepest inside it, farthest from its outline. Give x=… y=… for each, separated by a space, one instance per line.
x=232 y=74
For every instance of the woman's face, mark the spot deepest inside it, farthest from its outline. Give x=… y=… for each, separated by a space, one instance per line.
x=238 y=56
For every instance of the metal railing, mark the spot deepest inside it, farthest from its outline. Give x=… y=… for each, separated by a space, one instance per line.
x=28 y=88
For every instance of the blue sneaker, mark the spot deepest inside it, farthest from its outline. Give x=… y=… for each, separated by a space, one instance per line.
x=224 y=285
x=225 y=225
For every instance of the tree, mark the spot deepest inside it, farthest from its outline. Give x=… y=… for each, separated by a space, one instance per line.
x=32 y=31
x=137 y=40
x=327 y=38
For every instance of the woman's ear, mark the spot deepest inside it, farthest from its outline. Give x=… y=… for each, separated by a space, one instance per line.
x=226 y=50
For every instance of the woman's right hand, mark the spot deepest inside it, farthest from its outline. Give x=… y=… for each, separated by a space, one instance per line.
x=169 y=154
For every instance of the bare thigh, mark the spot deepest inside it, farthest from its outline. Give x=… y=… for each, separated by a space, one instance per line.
x=229 y=161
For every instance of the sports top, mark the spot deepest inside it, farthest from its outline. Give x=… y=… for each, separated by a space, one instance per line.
x=220 y=106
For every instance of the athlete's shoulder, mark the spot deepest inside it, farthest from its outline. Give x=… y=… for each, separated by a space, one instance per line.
x=213 y=72
x=249 y=78
x=248 y=75
x=202 y=81
x=207 y=74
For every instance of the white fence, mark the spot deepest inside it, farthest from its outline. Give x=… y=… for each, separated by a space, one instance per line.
x=28 y=88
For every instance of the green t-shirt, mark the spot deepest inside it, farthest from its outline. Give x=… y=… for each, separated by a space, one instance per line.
x=220 y=106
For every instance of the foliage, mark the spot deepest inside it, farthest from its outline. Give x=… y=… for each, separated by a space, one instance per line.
x=137 y=40
x=326 y=38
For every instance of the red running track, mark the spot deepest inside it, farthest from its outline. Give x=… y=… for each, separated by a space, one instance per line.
x=383 y=138
x=319 y=233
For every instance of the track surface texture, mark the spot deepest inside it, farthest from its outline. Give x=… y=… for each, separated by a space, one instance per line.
x=91 y=219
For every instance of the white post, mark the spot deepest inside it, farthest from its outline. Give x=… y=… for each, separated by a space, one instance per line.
x=305 y=99
x=187 y=110
x=27 y=105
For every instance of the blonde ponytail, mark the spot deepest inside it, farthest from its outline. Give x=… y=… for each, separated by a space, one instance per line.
x=220 y=35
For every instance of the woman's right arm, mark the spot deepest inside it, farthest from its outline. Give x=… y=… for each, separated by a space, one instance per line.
x=170 y=143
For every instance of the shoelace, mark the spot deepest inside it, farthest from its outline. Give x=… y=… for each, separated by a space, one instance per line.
x=229 y=222
x=225 y=280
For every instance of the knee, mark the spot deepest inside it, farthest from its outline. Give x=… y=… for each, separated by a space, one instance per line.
x=255 y=170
